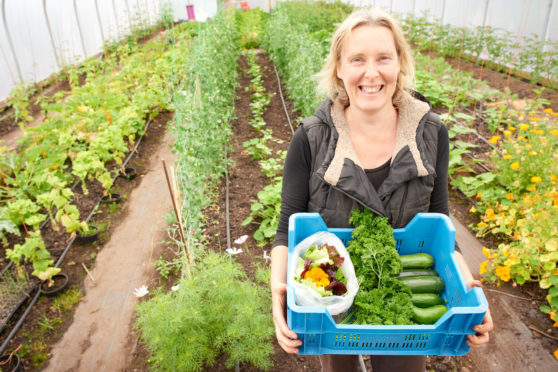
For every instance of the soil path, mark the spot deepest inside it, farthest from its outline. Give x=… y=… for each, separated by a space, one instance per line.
x=98 y=339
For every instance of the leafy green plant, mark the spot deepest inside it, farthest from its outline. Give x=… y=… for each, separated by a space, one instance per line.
x=257 y=147
x=381 y=299
x=34 y=250
x=266 y=211
x=273 y=166
x=218 y=311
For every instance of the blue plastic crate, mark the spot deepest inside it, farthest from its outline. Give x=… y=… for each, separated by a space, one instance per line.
x=431 y=233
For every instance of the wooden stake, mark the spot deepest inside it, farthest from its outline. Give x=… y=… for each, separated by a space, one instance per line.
x=189 y=257
x=88 y=273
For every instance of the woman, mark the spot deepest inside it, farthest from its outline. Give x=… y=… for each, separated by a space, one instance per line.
x=371 y=144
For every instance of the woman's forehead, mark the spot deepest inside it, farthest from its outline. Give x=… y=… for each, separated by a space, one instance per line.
x=366 y=37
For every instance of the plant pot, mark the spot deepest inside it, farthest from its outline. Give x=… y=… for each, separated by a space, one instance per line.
x=88 y=237
x=60 y=280
x=111 y=198
x=14 y=364
x=129 y=173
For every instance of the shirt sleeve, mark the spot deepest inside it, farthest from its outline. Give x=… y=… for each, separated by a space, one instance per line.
x=296 y=177
x=439 y=199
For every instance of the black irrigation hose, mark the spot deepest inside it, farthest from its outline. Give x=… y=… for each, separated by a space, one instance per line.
x=227 y=202
x=282 y=100
x=62 y=256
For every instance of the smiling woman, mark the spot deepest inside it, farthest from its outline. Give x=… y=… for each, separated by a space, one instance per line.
x=372 y=144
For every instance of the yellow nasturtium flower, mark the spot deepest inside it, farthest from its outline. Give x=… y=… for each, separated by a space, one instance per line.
x=514 y=165
x=318 y=276
x=523 y=127
x=536 y=179
x=494 y=139
x=503 y=273
x=482 y=268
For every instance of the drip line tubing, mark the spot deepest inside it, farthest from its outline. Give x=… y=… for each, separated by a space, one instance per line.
x=61 y=258
x=283 y=100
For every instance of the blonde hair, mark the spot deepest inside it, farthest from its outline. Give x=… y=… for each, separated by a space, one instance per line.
x=330 y=84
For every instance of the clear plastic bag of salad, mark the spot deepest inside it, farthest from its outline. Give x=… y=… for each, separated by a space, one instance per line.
x=318 y=277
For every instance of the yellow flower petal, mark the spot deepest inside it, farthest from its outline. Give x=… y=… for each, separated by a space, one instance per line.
x=536 y=179
x=514 y=165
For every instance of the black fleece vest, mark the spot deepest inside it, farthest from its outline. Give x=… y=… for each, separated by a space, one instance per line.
x=404 y=193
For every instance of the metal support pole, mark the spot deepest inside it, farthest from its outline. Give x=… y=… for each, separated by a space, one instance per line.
x=79 y=29
x=100 y=23
x=443 y=12
x=10 y=42
x=485 y=16
x=51 y=37
x=116 y=21
x=546 y=30
x=414 y=8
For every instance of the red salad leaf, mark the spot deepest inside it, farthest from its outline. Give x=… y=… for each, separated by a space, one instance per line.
x=337 y=287
x=307 y=264
x=337 y=259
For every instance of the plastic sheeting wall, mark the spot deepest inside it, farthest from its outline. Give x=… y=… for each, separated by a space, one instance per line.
x=520 y=17
x=39 y=56
x=27 y=25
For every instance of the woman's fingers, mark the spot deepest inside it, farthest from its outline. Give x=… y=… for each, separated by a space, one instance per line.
x=286 y=338
x=482 y=335
x=476 y=341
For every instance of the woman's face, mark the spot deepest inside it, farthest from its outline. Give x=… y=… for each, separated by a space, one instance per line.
x=369 y=67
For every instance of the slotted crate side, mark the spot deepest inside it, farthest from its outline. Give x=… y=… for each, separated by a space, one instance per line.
x=427 y=232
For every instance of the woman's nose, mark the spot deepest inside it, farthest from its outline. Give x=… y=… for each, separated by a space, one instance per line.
x=371 y=70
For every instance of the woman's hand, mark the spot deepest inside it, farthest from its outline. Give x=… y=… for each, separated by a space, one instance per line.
x=287 y=339
x=481 y=337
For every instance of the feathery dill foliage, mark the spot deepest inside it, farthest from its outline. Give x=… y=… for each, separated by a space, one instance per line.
x=219 y=311
x=381 y=299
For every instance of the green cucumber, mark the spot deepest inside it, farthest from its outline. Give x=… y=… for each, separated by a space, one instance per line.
x=417 y=261
x=429 y=315
x=424 y=284
x=416 y=272
x=426 y=299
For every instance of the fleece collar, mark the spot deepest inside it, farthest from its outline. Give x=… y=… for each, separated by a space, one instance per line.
x=411 y=112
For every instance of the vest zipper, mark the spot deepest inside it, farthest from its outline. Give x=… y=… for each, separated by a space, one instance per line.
x=398 y=224
x=358 y=201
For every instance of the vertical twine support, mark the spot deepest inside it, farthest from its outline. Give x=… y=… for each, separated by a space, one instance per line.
x=100 y=23
x=51 y=37
x=546 y=28
x=116 y=21
x=129 y=17
x=79 y=29
x=14 y=55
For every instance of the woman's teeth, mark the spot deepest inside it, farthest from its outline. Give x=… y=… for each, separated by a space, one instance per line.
x=374 y=89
